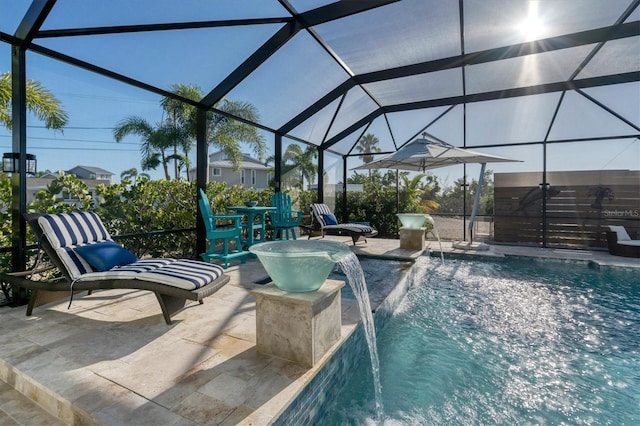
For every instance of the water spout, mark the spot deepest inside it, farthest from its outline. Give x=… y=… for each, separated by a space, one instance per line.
x=287 y=262
x=355 y=276
x=435 y=232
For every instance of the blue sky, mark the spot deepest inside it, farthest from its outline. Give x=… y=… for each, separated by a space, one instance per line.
x=96 y=104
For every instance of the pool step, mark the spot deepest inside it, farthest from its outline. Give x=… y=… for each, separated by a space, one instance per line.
x=17 y=409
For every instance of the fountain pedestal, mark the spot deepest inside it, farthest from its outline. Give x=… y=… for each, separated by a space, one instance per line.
x=412 y=238
x=298 y=327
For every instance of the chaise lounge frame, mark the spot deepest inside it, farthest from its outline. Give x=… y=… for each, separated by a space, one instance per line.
x=171 y=299
x=356 y=231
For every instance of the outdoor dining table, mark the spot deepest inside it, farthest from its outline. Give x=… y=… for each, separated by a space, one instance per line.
x=255 y=222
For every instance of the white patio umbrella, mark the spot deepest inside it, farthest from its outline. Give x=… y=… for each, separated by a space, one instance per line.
x=423 y=154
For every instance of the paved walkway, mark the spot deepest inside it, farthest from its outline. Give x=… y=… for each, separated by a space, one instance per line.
x=111 y=359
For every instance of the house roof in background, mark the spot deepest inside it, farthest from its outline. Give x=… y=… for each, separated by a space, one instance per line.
x=247 y=165
x=90 y=169
x=43 y=182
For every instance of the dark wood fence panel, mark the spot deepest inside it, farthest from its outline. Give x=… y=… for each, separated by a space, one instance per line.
x=579 y=206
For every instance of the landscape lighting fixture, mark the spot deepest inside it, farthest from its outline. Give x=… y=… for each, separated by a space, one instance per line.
x=11 y=163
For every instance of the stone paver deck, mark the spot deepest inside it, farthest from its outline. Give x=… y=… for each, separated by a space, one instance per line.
x=111 y=359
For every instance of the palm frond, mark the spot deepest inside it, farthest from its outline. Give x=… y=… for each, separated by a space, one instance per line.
x=45 y=106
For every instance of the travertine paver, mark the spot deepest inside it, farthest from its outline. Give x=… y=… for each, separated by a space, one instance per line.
x=17 y=409
x=111 y=359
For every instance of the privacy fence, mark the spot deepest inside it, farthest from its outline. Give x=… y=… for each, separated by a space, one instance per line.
x=572 y=209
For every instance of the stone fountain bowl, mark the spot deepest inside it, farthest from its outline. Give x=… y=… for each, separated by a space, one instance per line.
x=413 y=220
x=299 y=265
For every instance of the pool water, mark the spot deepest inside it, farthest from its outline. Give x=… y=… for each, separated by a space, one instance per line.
x=506 y=342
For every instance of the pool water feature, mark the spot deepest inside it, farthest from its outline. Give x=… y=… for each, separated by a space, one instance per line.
x=413 y=220
x=355 y=277
x=435 y=231
x=297 y=265
x=506 y=342
x=303 y=266
x=416 y=221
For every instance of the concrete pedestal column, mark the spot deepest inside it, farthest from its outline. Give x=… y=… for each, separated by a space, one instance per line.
x=298 y=327
x=412 y=238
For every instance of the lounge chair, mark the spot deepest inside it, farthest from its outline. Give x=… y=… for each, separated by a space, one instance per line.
x=620 y=243
x=325 y=220
x=284 y=219
x=82 y=249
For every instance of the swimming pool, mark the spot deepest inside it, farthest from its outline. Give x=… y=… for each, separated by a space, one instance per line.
x=506 y=342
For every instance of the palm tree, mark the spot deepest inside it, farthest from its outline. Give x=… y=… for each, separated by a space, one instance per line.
x=368 y=144
x=182 y=115
x=222 y=131
x=40 y=102
x=156 y=141
x=303 y=159
x=226 y=133
x=133 y=174
x=415 y=193
x=270 y=163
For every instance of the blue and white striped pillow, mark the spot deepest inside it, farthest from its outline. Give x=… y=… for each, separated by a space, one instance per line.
x=320 y=209
x=66 y=231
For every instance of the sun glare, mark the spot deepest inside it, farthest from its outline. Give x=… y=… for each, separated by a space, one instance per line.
x=532 y=27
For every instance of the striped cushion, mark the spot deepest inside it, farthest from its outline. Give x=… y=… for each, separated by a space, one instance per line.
x=354 y=227
x=73 y=229
x=145 y=265
x=66 y=231
x=319 y=209
x=185 y=274
x=127 y=271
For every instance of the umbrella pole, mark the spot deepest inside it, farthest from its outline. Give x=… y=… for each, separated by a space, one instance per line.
x=397 y=190
x=476 y=201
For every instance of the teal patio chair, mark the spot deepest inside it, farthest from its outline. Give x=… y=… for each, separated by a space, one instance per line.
x=225 y=234
x=284 y=219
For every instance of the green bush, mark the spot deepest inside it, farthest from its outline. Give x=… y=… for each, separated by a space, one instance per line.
x=156 y=206
x=149 y=206
x=5 y=220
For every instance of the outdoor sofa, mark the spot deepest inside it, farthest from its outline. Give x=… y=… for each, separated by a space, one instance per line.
x=621 y=243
